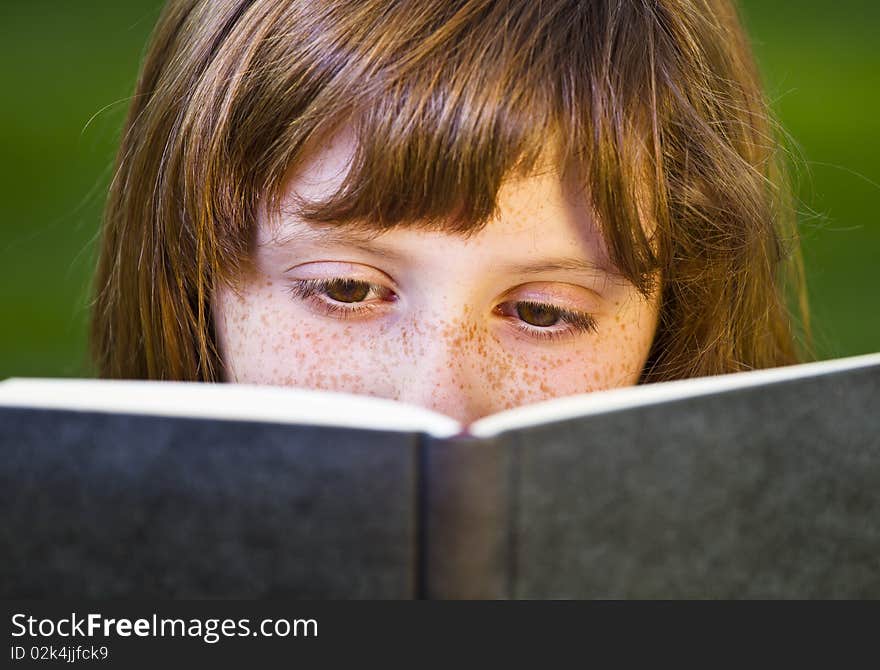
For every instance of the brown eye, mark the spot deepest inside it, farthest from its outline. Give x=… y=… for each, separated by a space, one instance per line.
x=536 y=314
x=347 y=290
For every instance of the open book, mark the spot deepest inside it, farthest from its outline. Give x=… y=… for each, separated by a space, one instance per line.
x=757 y=484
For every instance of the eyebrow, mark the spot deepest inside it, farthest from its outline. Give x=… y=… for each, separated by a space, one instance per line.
x=365 y=241
x=349 y=237
x=555 y=265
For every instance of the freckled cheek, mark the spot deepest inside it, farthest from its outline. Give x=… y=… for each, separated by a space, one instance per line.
x=622 y=349
x=535 y=377
x=610 y=359
x=506 y=372
x=268 y=341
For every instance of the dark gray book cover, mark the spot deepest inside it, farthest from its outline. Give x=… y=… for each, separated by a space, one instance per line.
x=771 y=491
x=106 y=505
x=759 y=490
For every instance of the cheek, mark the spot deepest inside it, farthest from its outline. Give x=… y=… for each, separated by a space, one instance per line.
x=566 y=371
x=612 y=358
x=264 y=341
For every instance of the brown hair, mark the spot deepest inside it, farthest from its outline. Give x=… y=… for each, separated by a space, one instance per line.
x=450 y=98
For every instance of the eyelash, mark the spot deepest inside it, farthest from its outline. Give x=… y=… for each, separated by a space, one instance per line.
x=309 y=290
x=578 y=322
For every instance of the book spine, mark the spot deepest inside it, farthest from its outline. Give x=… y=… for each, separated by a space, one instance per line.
x=465 y=519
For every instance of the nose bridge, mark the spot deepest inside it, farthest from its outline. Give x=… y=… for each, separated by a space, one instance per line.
x=443 y=373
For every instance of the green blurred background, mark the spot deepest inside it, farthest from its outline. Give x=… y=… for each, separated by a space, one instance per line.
x=69 y=66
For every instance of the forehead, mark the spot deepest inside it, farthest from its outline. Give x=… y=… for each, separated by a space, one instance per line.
x=539 y=212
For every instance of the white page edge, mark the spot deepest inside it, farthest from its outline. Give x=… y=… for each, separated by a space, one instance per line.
x=229 y=402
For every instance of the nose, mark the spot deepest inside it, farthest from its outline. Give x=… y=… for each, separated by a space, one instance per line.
x=444 y=376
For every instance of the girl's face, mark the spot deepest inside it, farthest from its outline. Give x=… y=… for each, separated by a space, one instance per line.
x=527 y=309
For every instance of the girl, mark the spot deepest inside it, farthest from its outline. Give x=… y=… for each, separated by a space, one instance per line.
x=463 y=204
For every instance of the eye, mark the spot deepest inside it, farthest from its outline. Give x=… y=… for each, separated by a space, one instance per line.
x=341 y=296
x=347 y=290
x=537 y=314
x=546 y=321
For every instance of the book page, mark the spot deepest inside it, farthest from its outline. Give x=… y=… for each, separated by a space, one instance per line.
x=559 y=409
x=237 y=402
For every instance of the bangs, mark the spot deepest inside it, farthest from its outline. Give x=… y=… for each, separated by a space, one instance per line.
x=431 y=163
x=449 y=103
